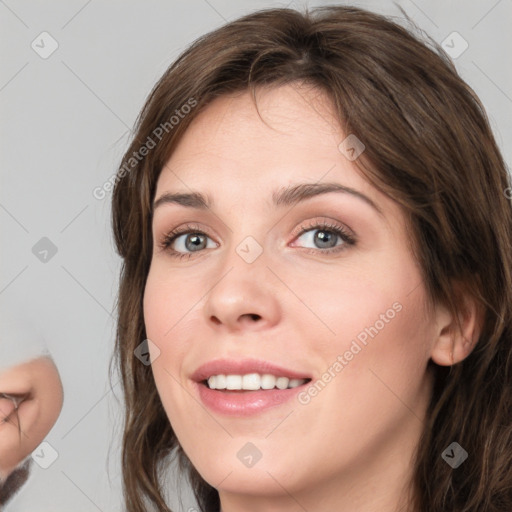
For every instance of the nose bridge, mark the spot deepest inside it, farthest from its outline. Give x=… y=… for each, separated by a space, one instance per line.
x=247 y=237
x=245 y=290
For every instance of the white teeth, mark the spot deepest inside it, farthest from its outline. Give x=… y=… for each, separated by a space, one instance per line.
x=220 y=382
x=233 y=382
x=295 y=382
x=252 y=382
x=282 y=382
x=268 y=381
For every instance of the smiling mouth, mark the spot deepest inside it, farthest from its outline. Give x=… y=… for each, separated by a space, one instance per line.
x=251 y=382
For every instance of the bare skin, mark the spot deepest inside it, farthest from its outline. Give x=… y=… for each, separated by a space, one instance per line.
x=350 y=447
x=36 y=389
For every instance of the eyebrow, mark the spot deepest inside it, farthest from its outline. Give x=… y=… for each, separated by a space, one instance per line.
x=286 y=196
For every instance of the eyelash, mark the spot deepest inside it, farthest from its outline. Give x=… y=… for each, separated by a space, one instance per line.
x=336 y=229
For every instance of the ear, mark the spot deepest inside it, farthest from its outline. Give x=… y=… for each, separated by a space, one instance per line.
x=456 y=336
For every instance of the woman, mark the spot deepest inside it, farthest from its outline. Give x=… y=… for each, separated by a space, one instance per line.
x=342 y=338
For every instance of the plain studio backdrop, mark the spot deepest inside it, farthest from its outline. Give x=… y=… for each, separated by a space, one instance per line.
x=74 y=75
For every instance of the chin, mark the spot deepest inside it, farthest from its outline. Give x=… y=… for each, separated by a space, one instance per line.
x=254 y=481
x=240 y=467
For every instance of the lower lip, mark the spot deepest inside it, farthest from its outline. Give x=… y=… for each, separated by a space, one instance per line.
x=244 y=403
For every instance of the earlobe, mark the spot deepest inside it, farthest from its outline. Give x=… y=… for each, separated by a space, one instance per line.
x=456 y=336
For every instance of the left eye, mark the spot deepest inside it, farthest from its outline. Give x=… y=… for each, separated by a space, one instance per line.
x=192 y=242
x=326 y=236
x=322 y=238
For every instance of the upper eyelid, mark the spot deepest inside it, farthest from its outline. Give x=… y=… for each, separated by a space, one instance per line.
x=191 y=227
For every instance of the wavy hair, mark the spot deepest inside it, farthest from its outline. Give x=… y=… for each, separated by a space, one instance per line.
x=429 y=146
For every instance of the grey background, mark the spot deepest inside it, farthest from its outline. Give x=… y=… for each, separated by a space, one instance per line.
x=65 y=122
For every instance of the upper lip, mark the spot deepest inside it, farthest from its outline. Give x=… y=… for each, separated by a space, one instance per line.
x=243 y=367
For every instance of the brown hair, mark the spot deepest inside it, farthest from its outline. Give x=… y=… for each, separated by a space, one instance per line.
x=429 y=146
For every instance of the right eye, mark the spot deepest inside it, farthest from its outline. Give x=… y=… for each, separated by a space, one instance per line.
x=179 y=241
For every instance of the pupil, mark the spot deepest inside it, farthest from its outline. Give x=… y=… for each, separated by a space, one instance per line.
x=195 y=240
x=324 y=237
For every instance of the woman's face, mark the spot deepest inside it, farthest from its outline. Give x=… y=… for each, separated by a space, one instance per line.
x=245 y=293
x=37 y=386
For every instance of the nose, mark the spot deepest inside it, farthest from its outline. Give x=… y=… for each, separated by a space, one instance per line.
x=244 y=298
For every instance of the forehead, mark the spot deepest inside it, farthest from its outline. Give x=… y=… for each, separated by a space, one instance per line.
x=240 y=162
x=228 y=149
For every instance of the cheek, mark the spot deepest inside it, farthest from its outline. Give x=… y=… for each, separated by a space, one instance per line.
x=356 y=302
x=379 y=340
x=169 y=296
x=384 y=355
x=163 y=306
x=369 y=390
x=166 y=313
